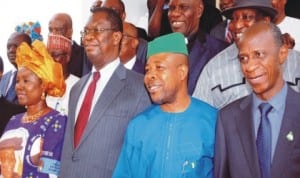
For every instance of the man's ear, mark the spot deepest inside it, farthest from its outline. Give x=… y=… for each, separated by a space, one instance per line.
x=117 y=36
x=183 y=71
x=283 y=53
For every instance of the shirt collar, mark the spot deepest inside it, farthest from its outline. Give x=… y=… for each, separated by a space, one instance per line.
x=277 y=101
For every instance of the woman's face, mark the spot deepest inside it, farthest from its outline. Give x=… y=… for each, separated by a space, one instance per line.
x=29 y=87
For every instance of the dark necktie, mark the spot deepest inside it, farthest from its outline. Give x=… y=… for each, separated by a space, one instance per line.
x=264 y=140
x=84 y=112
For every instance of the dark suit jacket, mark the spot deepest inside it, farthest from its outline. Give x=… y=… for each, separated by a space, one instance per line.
x=7 y=110
x=201 y=50
x=139 y=67
x=4 y=82
x=219 y=31
x=75 y=65
x=235 y=149
x=123 y=97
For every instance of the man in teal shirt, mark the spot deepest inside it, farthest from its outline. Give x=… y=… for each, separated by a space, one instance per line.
x=175 y=137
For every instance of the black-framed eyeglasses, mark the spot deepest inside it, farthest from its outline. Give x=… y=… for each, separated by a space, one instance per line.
x=95 y=31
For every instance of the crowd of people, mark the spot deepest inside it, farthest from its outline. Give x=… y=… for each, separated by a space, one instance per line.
x=203 y=92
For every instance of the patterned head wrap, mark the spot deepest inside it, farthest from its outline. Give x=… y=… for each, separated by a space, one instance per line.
x=33 y=29
x=38 y=60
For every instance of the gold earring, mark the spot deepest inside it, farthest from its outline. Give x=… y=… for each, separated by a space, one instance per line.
x=43 y=97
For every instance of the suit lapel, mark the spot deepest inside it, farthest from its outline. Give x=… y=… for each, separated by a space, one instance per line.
x=285 y=146
x=247 y=136
x=73 y=102
x=111 y=90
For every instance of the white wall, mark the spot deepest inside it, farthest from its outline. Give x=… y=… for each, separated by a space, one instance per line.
x=15 y=12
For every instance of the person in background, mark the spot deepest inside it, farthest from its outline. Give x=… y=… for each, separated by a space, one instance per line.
x=184 y=17
x=61 y=24
x=102 y=102
x=222 y=81
x=257 y=135
x=158 y=23
x=1 y=67
x=119 y=7
x=59 y=47
x=221 y=31
x=288 y=25
x=129 y=47
x=8 y=81
x=34 y=138
x=175 y=136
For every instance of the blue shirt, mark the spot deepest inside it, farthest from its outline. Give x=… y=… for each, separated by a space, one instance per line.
x=275 y=115
x=169 y=145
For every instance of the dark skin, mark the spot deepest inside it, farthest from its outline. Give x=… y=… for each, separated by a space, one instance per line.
x=13 y=42
x=166 y=81
x=61 y=24
x=103 y=47
x=129 y=42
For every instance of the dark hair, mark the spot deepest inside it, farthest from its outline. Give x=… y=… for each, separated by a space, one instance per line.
x=112 y=17
x=1 y=65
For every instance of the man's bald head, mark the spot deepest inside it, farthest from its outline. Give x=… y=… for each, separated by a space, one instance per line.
x=61 y=24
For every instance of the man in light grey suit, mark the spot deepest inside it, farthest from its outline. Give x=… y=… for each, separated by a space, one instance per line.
x=242 y=125
x=118 y=97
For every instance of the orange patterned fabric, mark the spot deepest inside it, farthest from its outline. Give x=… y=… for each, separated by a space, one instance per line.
x=38 y=60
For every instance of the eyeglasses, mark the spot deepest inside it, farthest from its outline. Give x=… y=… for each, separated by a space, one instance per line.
x=95 y=31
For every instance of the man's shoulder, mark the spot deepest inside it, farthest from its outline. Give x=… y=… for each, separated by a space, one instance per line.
x=236 y=105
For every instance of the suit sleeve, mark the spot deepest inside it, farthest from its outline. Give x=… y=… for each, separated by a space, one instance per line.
x=221 y=169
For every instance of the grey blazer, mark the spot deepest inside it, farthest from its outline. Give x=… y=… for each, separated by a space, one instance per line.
x=96 y=155
x=235 y=149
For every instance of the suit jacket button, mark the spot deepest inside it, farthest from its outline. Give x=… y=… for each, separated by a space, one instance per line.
x=75 y=157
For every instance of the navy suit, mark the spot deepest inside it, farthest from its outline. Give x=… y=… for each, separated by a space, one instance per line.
x=235 y=149
x=201 y=49
x=75 y=65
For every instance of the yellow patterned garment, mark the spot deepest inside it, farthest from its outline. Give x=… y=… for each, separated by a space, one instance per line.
x=38 y=60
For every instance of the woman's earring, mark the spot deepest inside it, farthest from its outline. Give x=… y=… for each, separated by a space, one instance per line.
x=43 y=97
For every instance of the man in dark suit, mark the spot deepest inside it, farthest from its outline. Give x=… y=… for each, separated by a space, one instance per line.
x=250 y=142
x=8 y=81
x=61 y=24
x=92 y=143
x=184 y=18
x=129 y=49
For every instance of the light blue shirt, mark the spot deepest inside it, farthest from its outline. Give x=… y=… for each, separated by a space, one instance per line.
x=275 y=115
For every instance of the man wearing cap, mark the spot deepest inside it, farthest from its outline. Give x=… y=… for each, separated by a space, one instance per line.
x=59 y=48
x=257 y=136
x=175 y=136
x=221 y=80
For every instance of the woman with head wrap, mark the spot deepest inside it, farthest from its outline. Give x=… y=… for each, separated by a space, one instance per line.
x=34 y=138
